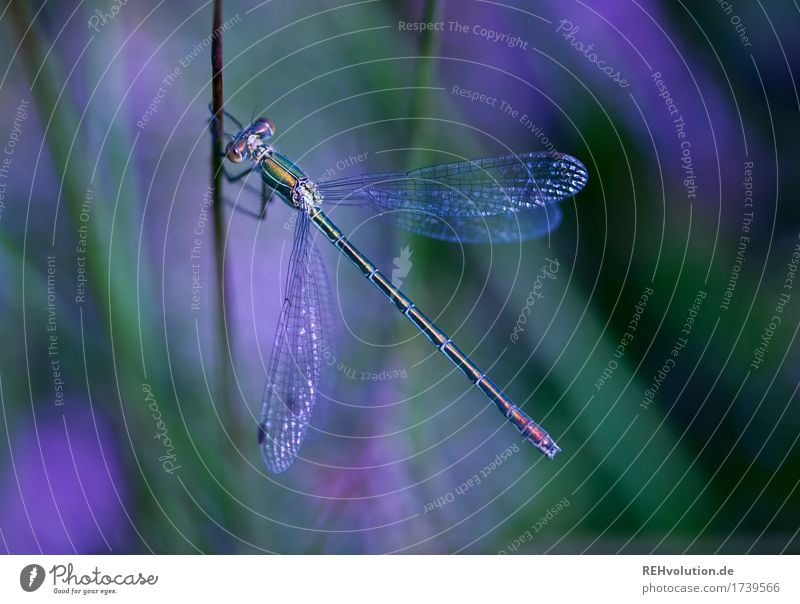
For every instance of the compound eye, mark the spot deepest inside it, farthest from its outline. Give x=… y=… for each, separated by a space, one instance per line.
x=264 y=127
x=235 y=151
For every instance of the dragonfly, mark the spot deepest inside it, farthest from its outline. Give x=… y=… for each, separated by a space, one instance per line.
x=489 y=200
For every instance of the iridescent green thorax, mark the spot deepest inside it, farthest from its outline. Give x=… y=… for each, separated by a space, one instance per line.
x=285 y=177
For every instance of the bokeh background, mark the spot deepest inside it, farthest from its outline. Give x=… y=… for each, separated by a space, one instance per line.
x=130 y=383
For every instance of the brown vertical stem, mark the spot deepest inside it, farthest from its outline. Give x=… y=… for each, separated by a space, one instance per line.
x=223 y=287
x=227 y=411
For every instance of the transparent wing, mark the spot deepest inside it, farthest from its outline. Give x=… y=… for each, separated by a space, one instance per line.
x=297 y=366
x=501 y=228
x=491 y=199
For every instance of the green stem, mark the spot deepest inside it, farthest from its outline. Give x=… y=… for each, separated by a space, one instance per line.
x=428 y=44
x=111 y=290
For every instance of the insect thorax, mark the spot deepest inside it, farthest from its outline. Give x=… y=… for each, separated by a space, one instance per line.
x=305 y=194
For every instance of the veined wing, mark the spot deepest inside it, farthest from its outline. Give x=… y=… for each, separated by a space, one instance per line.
x=500 y=228
x=297 y=364
x=481 y=187
x=496 y=199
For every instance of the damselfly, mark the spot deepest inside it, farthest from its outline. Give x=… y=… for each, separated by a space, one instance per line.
x=490 y=200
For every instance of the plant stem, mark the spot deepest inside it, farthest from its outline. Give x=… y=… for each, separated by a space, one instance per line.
x=223 y=289
x=419 y=104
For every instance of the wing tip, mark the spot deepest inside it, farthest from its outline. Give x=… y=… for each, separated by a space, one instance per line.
x=276 y=464
x=577 y=173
